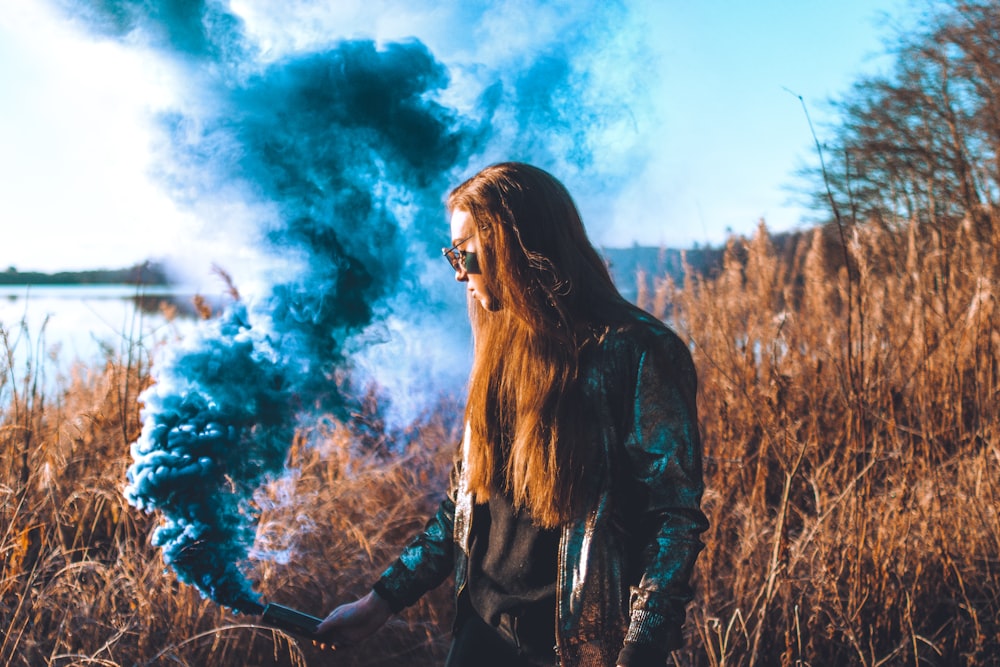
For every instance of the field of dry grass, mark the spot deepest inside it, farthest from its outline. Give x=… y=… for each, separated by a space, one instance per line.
x=80 y=584
x=849 y=405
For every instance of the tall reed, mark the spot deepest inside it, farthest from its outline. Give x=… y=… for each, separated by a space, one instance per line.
x=81 y=585
x=849 y=405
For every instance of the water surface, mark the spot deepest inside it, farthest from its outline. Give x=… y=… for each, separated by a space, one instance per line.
x=63 y=324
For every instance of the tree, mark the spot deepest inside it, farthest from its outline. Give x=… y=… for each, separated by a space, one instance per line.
x=923 y=143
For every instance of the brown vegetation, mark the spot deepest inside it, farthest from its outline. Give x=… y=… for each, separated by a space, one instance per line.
x=850 y=413
x=80 y=584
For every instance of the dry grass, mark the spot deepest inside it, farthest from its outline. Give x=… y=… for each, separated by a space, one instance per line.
x=80 y=585
x=850 y=412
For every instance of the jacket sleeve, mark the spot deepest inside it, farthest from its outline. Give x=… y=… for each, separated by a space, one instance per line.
x=663 y=450
x=427 y=559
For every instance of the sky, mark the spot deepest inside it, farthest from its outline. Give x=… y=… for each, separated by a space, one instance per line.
x=710 y=142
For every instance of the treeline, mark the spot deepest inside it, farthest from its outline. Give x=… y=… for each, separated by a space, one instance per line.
x=146 y=273
x=637 y=269
x=922 y=143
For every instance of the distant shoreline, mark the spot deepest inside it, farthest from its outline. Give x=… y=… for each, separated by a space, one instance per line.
x=625 y=264
x=148 y=273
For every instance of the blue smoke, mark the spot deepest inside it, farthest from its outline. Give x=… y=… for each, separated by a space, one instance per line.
x=352 y=150
x=203 y=29
x=312 y=134
x=218 y=424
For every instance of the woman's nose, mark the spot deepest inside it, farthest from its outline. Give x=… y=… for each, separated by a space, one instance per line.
x=461 y=275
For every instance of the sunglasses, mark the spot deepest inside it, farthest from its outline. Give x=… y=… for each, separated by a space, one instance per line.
x=461 y=260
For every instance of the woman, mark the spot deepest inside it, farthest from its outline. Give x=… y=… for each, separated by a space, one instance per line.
x=572 y=519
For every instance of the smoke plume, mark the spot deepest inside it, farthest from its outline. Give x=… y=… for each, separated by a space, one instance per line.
x=344 y=150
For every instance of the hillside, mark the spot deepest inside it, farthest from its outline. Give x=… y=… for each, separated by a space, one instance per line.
x=636 y=265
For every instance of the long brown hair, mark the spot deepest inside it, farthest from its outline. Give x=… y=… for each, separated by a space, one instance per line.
x=554 y=297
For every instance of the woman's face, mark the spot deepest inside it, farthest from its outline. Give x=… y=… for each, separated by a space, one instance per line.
x=463 y=227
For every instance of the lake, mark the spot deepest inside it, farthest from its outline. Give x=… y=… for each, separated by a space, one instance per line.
x=68 y=323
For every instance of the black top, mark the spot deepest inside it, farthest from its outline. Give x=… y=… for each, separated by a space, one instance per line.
x=512 y=570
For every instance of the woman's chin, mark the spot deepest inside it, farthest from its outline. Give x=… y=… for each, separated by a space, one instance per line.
x=489 y=304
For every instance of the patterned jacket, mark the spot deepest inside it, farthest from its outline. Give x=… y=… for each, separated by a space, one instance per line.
x=623 y=569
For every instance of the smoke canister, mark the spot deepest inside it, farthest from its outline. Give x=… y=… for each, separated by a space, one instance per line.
x=291 y=620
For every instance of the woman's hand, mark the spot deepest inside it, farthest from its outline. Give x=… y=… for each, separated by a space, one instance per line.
x=349 y=623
